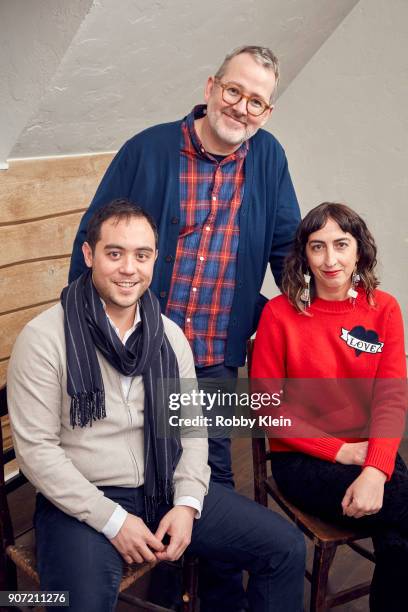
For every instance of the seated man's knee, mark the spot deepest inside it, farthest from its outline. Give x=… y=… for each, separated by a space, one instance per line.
x=298 y=549
x=289 y=551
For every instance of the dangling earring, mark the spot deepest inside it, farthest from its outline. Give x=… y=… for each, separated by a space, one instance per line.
x=305 y=295
x=352 y=292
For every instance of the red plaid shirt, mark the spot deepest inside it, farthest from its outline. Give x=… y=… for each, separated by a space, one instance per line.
x=203 y=280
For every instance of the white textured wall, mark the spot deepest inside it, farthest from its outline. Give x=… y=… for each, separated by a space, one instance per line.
x=34 y=35
x=344 y=124
x=134 y=63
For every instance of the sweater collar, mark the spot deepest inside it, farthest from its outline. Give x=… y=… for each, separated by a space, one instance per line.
x=339 y=306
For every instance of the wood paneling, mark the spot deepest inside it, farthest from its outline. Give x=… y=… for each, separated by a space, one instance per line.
x=37 y=188
x=38 y=239
x=3 y=372
x=6 y=433
x=11 y=325
x=28 y=284
x=41 y=203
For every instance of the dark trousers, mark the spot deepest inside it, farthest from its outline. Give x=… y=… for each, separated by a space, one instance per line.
x=233 y=529
x=318 y=487
x=213 y=379
x=219 y=581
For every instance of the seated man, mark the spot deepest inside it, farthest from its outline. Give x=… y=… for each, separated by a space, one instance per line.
x=85 y=415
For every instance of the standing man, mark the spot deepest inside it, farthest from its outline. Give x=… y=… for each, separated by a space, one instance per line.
x=84 y=405
x=220 y=192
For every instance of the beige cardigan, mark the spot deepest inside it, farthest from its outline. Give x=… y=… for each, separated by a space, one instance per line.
x=67 y=465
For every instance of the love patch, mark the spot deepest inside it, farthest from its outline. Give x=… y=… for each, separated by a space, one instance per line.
x=362 y=340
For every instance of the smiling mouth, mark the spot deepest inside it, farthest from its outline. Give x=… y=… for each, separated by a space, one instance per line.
x=125 y=284
x=331 y=272
x=243 y=123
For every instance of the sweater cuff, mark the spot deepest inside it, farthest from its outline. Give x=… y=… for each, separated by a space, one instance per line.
x=188 y=489
x=101 y=513
x=327 y=448
x=380 y=459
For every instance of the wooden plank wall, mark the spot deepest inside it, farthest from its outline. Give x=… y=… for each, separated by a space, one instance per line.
x=41 y=204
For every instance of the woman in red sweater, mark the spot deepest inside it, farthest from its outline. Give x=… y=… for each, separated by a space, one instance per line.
x=333 y=323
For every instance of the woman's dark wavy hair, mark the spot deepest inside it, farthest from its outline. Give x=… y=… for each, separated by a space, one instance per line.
x=296 y=263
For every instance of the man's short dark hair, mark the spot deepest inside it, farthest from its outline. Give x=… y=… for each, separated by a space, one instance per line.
x=119 y=209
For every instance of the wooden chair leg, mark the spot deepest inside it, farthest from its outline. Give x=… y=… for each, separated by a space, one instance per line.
x=323 y=558
x=260 y=495
x=8 y=574
x=190 y=583
x=3 y=573
x=8 y=578
x=260 y=473
x=11 y=575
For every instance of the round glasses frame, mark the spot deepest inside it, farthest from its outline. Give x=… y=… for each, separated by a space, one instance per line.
x=227 y=99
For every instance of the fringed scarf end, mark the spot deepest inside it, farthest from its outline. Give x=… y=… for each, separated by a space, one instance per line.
x=86 y=408
x=164 y=496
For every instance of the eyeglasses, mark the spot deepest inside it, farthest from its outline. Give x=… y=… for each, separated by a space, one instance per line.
x=232 y=94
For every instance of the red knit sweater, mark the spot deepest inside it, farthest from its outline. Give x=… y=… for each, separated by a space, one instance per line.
x=291 y=345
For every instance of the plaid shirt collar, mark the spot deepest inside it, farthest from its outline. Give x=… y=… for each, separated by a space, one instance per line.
x=198 y=112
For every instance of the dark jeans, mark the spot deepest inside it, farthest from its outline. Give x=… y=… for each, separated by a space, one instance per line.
x=318 y=487
x=219 y=581
x=74 y=557
x=219 y=445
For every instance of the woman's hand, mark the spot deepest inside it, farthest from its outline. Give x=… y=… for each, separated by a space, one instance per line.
x=365 y=495
x=352 y=453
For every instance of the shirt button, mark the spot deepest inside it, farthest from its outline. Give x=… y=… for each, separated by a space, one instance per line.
x=188 y=320
x=174 y=220
x=208 y=228
x=169 y=258
x=163 y=294
x=214 y=197
x=194 y=288
x=201 y=258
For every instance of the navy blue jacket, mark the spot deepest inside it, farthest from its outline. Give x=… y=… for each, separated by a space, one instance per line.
x=146 y=171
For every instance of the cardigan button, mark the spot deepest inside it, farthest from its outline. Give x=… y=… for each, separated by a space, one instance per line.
x=169 y=258
x=163 y=294
x=175 y=220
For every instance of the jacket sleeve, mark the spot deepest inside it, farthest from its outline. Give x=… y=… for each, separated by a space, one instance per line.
x=388 y=409
x=268 y=366
x=34 y=397
x=286 y=222
x=116 y=183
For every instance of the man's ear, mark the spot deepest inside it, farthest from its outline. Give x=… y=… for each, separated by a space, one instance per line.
x=268 y=113
x=157 y=254
x=208 y=88
x=87 y=252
